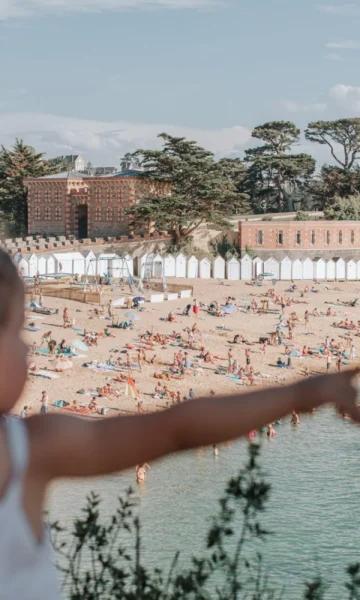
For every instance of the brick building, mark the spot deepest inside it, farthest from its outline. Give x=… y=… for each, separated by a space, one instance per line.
x=83 y=205
x=299 y=238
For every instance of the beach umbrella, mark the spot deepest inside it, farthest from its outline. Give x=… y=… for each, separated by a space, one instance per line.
x=79 y=345
x=229 y=309
x=132 y=316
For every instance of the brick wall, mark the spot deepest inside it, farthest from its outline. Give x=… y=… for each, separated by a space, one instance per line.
x=299 y=235
x=54 y=204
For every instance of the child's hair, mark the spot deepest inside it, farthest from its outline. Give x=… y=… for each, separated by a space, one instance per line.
x=10 y=283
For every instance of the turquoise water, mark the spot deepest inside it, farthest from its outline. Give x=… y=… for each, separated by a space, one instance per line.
x=313 y=511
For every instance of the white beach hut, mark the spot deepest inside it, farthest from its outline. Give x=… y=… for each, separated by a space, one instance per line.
x=219 y=268
x=103 y=264
x=180 y=265
x=358 y=269
x=158 y=266
x=285 y=269
x=233 y=269
x=78 y=263
x=23 y=267
x=246 y=268
x=64 y=263
x=308 y=269
x=205 y=268
x=319 y=269
x=90 y=263
x=193 y=267
x=33 y=265
x=340 y=270
x=51 y=265
x=42 y=264
x=169 y=265
x=271 y=268
x=351 y=271
x=258 y=267
x=116 y=266
x=128 y=265
x=330 y=270
x=297 y=269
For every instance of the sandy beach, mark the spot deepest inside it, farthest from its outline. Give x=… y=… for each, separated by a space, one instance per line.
x=216 y=333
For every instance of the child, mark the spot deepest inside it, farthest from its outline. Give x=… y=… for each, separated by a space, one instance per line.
x=36 y=450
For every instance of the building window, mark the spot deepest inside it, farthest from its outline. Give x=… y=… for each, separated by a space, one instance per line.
x=328 y=237
x=109 y=214
x=57 y=213
x=37 y=213
x=97 y=214
x=260 y=237
x=47 y=213
x=280 y=238
x=340 y=237
x=298 y=238
x=313 y=238
x=352 y=236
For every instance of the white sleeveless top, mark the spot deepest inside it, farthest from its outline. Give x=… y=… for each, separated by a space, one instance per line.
x=26 y=571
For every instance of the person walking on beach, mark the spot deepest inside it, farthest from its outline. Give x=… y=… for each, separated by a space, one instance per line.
x=88 y=448
x=44 y=408
x=328 y=361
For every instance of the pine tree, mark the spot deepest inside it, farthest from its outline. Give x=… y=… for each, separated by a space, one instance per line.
x=16 y=164
x=200 y=189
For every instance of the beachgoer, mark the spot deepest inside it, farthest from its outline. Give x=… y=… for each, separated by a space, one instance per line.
x=44 y=408
x=196 y=308
x=270 y=431
x=191 y=394
x=39 y=450
x=295 y=419
x=24 y=412
x=141 y=472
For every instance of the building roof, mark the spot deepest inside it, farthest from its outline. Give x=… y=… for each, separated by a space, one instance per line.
x=127 y=173
x=65 y=175
x=80 y=175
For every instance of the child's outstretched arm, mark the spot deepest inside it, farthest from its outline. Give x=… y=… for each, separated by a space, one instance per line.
x=64 y=446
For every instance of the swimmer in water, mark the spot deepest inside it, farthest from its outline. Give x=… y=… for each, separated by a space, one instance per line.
x=141 y=472
x=270 y=431
x=295 y=419
x=215 y=450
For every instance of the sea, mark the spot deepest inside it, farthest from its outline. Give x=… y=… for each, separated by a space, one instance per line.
x=313 y=512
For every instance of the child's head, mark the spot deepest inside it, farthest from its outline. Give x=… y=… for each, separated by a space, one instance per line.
x=12 y=348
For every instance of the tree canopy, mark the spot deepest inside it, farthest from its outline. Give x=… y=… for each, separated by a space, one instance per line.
x=344 y=209
x=201 y=189
x=342 y=137
x=16 y=164
x=275 y=174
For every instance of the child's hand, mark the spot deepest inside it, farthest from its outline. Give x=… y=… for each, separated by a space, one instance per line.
x=338 y=389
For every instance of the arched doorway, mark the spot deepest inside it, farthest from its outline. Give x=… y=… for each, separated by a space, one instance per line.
x=82 y=221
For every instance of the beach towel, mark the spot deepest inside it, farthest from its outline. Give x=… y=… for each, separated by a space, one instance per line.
x=43 y=351
x=60 y=403
x=79 y=345
x=32 y=328
x=45 y=374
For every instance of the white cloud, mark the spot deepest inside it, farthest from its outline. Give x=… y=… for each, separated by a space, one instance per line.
x=298 y=107
x=334 y=56
x=22 y=8
x=344 y=45
x=106 y=141
x=343 y=9
x=346 y=96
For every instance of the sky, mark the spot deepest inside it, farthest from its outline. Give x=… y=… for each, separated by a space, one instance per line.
x=104 y=77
